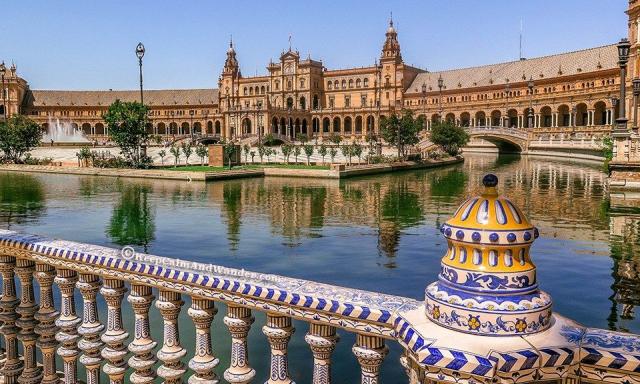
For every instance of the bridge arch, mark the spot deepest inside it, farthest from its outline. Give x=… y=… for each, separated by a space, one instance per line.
x=507 y=140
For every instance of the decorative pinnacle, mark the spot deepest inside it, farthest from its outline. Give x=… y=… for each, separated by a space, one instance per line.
x=490 y=180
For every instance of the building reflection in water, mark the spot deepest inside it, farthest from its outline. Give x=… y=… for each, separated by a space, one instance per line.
x=625 y=252
x=22 y=199
x=132 y=219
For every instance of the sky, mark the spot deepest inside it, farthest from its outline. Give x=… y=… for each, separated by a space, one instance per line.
x=90 y=44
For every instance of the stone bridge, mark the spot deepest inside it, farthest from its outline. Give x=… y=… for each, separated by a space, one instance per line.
x=506 y=139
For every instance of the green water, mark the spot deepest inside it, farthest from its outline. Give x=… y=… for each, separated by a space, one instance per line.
x=376 y=233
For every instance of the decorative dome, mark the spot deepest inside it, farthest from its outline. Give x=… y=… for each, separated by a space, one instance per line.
x=487 y=284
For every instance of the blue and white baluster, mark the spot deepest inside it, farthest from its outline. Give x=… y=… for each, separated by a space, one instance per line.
x=46 y=328
x=68 y=323
x=115 y=336
x=142 y=346
x=370 y=352
x=322 y=339
x=278 y=331
x=239 y=320
x=171 y=353
x=32 y=373
x=90 y=329
x=12 y=365
x=203 y=362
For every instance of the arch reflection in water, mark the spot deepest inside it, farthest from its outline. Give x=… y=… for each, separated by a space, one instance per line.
x=22 y=199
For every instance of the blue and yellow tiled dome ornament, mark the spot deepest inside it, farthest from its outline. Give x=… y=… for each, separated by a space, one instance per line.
x=487 y=283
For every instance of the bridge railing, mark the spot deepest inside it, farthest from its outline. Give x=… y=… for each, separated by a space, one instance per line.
x=496 y=130
x=101 y=341
x=38 y=328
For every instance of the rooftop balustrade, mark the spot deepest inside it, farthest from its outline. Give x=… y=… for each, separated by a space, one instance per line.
x=504 y=332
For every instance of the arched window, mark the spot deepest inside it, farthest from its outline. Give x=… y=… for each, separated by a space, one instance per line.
x=358 y=83
x=289 y=84
x=262 y=90
x=277 y=84
x=251 y=90
x=329 y=84
x=315 y=102
x=335 y=84
x=245 y=91
x=344 y=84
x=366 y=82
x=303 y=103
x=350 y=83
x=301 y=83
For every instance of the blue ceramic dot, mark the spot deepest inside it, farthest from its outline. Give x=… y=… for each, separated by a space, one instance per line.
x=527 y=236
x=475 y=236
x=448 y=231
x=536 y=234
x=511 y=237
x=494 y=237
x=460 y=234
x=442 y=228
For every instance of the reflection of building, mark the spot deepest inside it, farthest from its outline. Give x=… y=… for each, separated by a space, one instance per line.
x=301 y=95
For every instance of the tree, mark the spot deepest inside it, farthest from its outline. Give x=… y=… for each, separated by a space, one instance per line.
x=449 y=136
x=268 y=139
x=322 y=151
x=335 y=139
x=346 y=152
x=162 y=154
x=402 y=131
x=308 y=151
x=296 y=152
x=302 y=138
x=253 y=155
x=175 y=151
x=262 y=150
x=127 y=122
x=286 y=152
x=187 y=150
x=202 y=151
x=229 y=150
x=332 y=153
x=246 y=149
x=18 y=136
x=356 y=150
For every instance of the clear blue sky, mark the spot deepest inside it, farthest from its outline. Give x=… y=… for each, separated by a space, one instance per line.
x=80 y=44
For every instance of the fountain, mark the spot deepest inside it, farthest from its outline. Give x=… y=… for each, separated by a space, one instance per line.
x=63 y=132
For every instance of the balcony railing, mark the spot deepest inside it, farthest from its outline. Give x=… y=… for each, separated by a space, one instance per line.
x=34 y=331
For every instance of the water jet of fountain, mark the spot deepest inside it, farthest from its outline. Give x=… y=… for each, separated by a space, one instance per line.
x=63 y=131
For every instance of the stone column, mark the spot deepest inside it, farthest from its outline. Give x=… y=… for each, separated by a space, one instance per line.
x=68 y=322
x=370 y=352
x=12 y=365
x=172 y=369
x=322 y=339
x=203 y=362
x=142 y=346
x=31 y=373
x=115 y=336
x=46 y=329
x=90 y=329
x=278 y=331
x=239 y=321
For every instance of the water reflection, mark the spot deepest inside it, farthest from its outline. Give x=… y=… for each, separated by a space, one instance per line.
x=378 y=233
x=22 y=199
x=133 y=219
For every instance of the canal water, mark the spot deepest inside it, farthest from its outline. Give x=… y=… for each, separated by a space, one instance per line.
x=375 y=233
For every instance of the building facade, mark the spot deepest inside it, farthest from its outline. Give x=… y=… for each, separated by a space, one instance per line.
x=577 y=90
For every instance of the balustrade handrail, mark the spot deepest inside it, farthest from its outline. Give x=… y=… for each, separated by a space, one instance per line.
x=373 y=317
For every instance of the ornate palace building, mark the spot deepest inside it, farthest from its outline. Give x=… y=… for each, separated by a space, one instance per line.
x=574 y=91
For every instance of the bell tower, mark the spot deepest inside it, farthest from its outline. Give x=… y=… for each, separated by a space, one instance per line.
x=391 y=73
x=229 y=89
x=391 y=47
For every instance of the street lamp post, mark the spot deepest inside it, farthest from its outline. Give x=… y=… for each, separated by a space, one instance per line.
x=530 y=84
x=140 y=54
x=623 y=57
x=440 y=85
x=636 y=92
x=614 y=104
x=3 y=71
x=573 y=119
